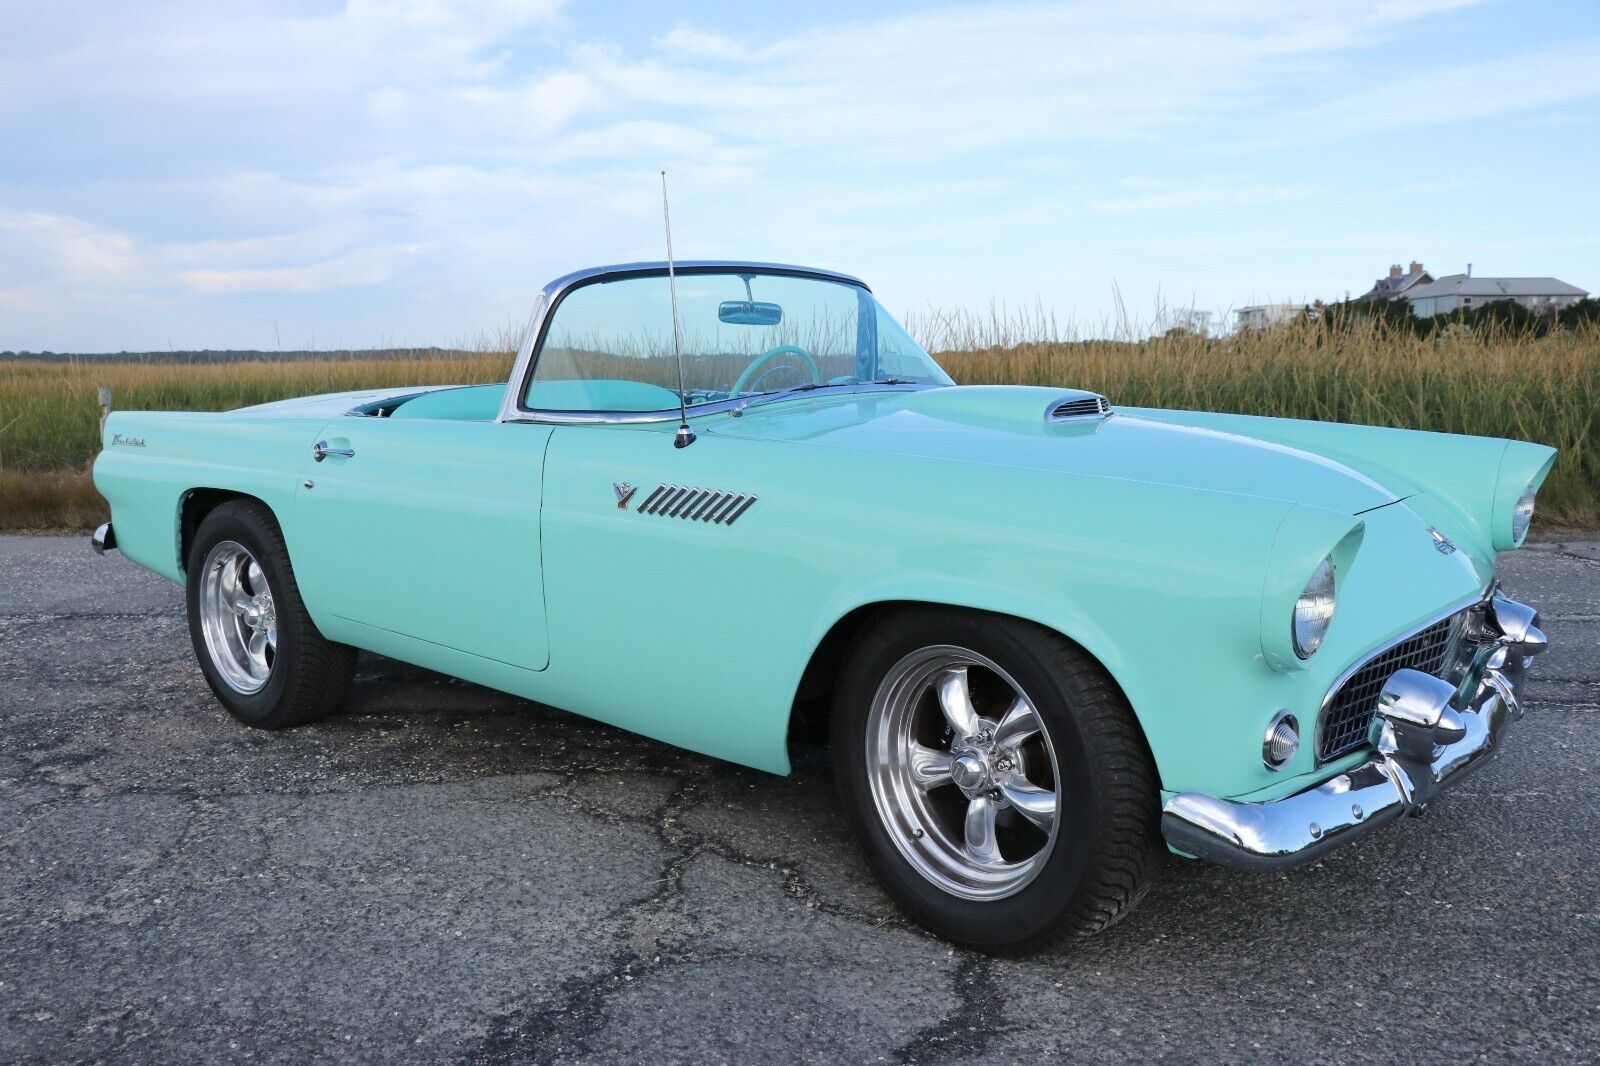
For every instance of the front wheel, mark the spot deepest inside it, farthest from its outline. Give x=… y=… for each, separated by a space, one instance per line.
x=257 y=646
x=995 y=778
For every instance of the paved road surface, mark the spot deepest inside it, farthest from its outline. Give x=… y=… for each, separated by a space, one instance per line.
x=445 y=873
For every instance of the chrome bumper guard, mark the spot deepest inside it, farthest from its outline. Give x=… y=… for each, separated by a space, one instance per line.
x=104 y=540
x=1428 y=734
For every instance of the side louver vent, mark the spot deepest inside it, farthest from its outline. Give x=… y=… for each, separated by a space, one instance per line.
x=1080 y=407
x=699 y=505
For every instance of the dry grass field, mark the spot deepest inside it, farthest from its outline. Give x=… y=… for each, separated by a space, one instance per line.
x=1491 y=382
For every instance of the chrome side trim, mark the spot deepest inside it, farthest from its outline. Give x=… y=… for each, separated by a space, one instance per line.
x=1427 y=740
x=697 y=505
x=734 y=406
x=511 y=409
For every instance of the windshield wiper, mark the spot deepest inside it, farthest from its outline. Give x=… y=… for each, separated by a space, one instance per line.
x=768 y=397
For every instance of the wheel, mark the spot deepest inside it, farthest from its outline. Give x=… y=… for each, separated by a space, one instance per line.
x=257 y=647
x=996 y=779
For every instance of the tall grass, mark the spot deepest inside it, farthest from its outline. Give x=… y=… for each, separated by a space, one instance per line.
x=50 y=417
x=1492 y=382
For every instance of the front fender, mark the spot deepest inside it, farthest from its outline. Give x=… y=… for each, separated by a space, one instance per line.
x=1471 y=483
x=1306 y=536
x=1163 y=586
x=1180 y=594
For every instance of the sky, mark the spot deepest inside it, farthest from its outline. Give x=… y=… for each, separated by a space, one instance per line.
x=327 y=175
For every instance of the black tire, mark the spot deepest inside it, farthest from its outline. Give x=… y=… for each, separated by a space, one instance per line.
x=310 y=675
x=1107 y=850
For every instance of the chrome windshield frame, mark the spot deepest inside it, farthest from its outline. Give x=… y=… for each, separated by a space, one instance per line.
x=511 y=408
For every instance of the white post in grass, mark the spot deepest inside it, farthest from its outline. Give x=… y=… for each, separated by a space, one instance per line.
x=105 y=408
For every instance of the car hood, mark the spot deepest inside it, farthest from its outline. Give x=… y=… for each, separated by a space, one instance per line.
x=1007 y=426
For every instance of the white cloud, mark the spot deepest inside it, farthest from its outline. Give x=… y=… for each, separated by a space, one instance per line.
x=64 y=253
x=463 y=149
x=66 y=250
x=1472 y=91
x=957 y=81
x=1166 y=197
x=368 y=266
x=699 y=44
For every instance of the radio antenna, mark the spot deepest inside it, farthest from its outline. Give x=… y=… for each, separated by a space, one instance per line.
x=685 y=435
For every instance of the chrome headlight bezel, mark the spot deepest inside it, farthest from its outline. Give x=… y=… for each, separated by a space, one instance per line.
x=1523 y=469
x=1314 y=609
x=1307 y=537
x=1522 y=513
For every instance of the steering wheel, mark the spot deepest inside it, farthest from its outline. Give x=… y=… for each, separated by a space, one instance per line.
x=743 y=384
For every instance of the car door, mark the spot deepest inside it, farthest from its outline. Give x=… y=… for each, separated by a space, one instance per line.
x=428 y=528
x=685 y=620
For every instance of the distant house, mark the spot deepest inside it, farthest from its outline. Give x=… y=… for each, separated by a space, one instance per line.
x=1398 y=283
x=1431 y=296
x=1455 y=291
x=1265 y=316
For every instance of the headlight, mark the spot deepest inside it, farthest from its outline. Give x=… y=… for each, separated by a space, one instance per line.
x=1522 y=516
x=1313 y=611
x=1523 y=468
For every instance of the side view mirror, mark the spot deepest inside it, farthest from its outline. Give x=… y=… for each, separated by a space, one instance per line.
x=749 y=313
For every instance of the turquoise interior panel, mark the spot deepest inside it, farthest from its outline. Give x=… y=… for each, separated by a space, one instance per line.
x=599 y=395
x=475 y=403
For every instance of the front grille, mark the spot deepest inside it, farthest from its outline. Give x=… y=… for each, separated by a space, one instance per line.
x=1347 y=716
x=1087 y=407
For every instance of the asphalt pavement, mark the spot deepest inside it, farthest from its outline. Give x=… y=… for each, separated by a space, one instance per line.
x=444 y=873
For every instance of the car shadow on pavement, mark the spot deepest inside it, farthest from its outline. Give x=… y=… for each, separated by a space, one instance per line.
x=426 y=725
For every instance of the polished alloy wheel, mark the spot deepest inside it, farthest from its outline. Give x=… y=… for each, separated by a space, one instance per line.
x=238 y=617
x=963 y=772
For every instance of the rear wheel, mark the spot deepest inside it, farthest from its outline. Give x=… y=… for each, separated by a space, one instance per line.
x=995 y=777
x=258 y=648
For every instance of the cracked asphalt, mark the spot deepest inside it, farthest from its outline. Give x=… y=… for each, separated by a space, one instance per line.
x=446 y=873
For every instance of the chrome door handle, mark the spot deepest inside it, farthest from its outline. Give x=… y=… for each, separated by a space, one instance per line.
x=320 y=451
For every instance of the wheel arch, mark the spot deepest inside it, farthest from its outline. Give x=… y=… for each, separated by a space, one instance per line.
x=812 y=707
x=195 y=504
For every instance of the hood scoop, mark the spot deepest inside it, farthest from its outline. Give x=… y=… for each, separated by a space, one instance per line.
x=1075 y=406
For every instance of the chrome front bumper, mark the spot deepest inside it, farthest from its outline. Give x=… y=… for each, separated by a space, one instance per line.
x=1428 y=734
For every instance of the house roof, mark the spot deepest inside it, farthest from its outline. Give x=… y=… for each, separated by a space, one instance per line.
x=1465 y=285
x=1390 y=287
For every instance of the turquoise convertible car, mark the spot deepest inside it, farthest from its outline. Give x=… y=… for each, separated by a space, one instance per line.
x=1051 y=639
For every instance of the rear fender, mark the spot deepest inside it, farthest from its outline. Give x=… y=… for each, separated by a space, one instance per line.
x=151 y=461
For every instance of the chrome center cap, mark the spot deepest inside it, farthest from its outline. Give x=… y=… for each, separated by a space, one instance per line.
x=970 y=772
x=252 y=614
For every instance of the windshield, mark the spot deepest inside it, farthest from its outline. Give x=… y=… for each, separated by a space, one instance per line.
x=609 y=344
